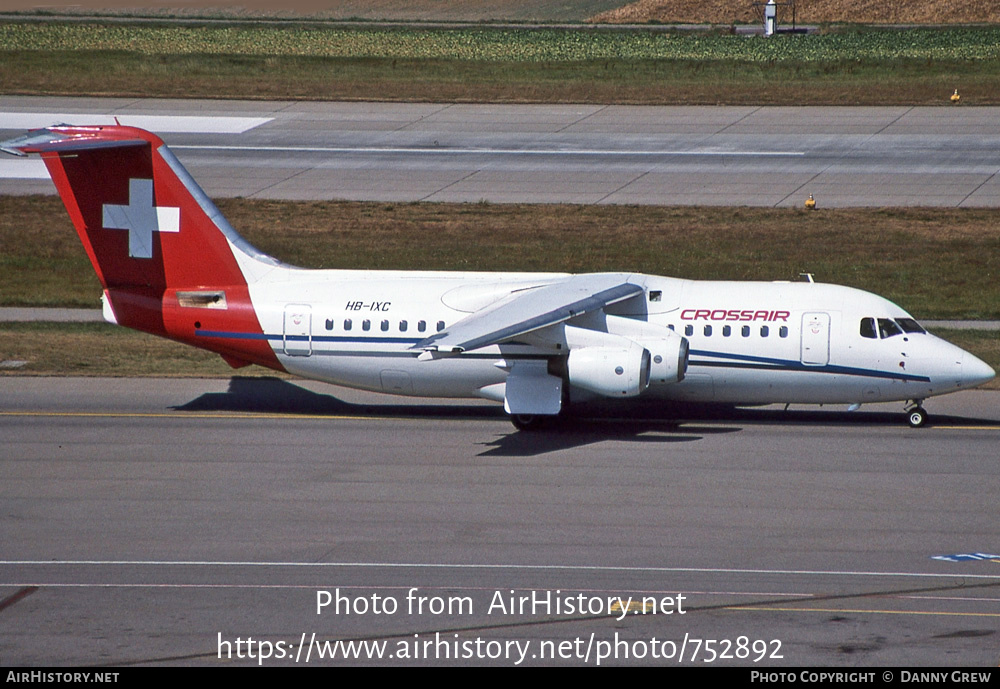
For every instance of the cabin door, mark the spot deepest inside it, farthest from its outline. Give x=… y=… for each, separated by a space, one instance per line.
x=815 y=339
x=298 y=330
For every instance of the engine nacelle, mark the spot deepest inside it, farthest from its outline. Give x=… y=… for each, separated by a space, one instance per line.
x=669 y=359
x=610 y=371
x=668 y=349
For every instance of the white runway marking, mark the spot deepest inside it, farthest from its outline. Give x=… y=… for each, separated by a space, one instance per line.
x=172 y=124
x=22 y=168
x=444 y=150
x=13 y=168
x=430 y=565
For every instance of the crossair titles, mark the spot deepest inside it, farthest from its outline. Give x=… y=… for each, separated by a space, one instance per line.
x=741 y=316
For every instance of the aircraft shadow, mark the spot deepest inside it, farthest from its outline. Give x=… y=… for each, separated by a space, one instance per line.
x=572 y=433
x=824 y=417
x=278 y=396
x=589 y=423
x=833 y=415
x=687 y=422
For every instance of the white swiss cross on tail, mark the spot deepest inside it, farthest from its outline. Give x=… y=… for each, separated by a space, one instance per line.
x=141 y=218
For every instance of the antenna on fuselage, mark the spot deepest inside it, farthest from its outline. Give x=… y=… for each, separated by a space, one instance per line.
x=806 y=277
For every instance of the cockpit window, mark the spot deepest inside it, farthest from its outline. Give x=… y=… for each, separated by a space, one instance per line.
x=888 y=328
x=910 y=326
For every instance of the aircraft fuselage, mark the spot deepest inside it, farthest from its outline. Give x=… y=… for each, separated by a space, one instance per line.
x=750 y=342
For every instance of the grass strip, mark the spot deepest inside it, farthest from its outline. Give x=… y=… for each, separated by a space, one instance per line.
x=936 y=263
x=102 y=349
x=490 y=44
x=921 y=66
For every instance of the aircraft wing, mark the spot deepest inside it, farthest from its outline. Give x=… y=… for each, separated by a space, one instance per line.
x=531 y=309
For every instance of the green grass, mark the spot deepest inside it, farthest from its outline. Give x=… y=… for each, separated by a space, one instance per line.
x=936 y=263
x=500 y=65
x=504 y=45
x=101 y=349
x=461 y=11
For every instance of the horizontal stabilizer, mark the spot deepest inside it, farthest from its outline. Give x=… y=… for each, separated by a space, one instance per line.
x=54 y=141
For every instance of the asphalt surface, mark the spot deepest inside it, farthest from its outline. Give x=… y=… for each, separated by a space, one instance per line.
x=756 y=156
x=169 y=521
x=159 y=521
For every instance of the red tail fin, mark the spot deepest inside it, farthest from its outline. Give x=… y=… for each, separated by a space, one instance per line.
x=164 y=254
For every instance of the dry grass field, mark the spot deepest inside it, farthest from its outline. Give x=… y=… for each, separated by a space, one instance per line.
x=368 y=10
x=808 y=12
x=937 y=263
x=610 y=11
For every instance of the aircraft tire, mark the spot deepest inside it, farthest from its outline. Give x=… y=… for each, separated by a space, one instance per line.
x=529 y=422
x=916 y=417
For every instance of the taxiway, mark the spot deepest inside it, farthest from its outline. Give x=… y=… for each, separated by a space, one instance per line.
x=588 y=154
x=148 y=521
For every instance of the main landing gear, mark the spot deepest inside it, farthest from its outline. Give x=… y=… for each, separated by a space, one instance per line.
x=530 y=422
x=916 y=415
x=537 y=422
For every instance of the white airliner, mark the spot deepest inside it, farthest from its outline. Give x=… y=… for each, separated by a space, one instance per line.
x=171 y=265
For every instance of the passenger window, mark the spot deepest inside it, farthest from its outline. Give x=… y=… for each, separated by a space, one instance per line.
x=764 y=331
x=348 y=324
x=868 y=328
x=727 y=331
x=329 y=324
x=402 y=326
x=783 y=331
x=708 y=331
x=366 y=324
x=689 y=330
x=671 y=326
x=421 y=325
x=440 y=326
x=385 y=326
x=888 y=328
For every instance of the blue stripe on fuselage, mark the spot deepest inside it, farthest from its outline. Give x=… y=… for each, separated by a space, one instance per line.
x=767 y=363
x=359 y=339
x=742 y=361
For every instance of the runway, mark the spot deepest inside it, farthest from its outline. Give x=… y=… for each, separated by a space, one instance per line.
x=160 y=521
x=587 y=154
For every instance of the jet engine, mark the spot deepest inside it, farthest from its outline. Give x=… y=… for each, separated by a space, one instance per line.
x=669 y=350
x=610 y=371
x=669 y=358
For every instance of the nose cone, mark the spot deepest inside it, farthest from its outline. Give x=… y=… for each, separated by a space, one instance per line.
x=975 y=371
